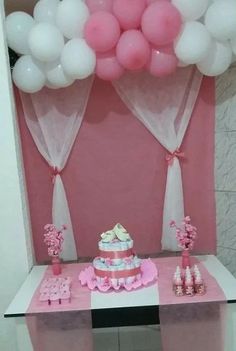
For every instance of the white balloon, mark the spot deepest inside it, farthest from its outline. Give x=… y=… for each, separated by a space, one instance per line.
x=78 y=59
x=45 y=42
x=50 y=86
x=56 y=76
x=71 y=18
x=217 y=60
x=28 y=74
x=18 y=25
x=220 y=19
x=192 y=43
x=46 y=10
x=191 y=9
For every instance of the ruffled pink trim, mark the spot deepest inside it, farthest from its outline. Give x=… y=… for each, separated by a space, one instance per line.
x=148 y=275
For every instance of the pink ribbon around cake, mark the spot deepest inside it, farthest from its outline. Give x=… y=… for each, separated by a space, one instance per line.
x=116 y=254
x=117 y=274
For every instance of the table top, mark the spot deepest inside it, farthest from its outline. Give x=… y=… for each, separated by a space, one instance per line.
x=145 y=299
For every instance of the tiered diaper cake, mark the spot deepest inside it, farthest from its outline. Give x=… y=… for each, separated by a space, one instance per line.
x=117 y=263
x=117 y=267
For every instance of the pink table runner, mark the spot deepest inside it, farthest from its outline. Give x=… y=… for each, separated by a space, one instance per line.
x=80 y=297
x=166 y=267
x=67 y=331
x=190 y=323
x=186 y=322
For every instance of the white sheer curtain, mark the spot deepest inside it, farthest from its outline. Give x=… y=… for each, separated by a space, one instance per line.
x=54 y=118
x=165 y=107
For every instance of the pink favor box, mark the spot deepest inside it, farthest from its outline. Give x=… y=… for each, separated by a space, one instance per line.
x=55 y=291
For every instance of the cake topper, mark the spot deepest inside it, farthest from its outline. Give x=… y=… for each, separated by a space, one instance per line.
x=118 y=232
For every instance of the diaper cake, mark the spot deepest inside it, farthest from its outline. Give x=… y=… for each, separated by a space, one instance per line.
x=117 y=261
x=117 y=266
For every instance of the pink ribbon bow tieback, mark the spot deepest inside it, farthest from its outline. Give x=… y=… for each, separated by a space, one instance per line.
x=170 y=157
x=55 y=171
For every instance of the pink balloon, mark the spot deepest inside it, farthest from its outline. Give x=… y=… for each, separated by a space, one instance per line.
x=132 y=50
x=102 y=31
x=162 y=62
x=108 y=67
x=161 y=22
x=129 y=13
x=99 y=5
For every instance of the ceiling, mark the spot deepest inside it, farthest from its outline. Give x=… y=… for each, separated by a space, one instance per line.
x=19 y=5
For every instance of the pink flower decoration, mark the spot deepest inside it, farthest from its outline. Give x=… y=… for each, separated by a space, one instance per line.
x=186 y=236
x=86 y=275
x=53 y=238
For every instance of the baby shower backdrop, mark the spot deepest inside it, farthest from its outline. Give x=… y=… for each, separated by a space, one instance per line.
x=116 y=108
x=117 y=171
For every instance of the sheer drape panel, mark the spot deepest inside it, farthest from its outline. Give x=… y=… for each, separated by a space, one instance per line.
x=61 y=331
x=54 y=118
x=193 y=326
x=165 y=107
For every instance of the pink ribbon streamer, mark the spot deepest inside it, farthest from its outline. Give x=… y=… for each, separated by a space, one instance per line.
x=170 y=157
x=117 y=274
x=116 y=254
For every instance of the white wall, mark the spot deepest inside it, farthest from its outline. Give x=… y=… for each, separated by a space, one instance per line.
x=225 y=168
x=15 y=246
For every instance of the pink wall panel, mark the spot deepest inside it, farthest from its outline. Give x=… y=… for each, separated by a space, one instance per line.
x=116 y=173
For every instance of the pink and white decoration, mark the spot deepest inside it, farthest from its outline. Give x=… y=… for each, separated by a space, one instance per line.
x=54 y=118
x=165 y=109
x=49 y=328
x=178 y=316
x=55 y=291
x=149 y=274
x=53 y=238
x=185 y=234
x=67 y=40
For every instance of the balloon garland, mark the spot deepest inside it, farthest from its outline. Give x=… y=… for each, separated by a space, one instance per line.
x=73 y=39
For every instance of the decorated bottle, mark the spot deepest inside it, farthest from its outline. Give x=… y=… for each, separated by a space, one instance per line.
x=188 y=285
x=199 y=286
x=178 y=286
x=176 y=274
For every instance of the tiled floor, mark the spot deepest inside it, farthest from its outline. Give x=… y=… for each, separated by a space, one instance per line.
x=106 y=339
x=145 y=338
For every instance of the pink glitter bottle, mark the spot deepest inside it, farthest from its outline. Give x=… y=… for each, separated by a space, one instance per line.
x=188 y=284
x=200 y=288
x=178 y=286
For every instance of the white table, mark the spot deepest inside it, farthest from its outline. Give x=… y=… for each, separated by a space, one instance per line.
x=132 y=308
x=140 y=298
